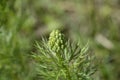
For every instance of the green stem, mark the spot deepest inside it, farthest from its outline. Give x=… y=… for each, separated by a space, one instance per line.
x=67 y=72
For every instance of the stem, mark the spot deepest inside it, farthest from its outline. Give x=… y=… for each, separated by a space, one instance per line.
x=67 y=72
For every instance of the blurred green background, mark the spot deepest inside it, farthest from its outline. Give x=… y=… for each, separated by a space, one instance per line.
x=22 y=22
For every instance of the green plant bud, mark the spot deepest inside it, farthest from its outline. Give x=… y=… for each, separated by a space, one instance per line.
x=56 y=41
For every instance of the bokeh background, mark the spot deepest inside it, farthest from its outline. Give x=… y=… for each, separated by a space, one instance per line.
x=22 y=22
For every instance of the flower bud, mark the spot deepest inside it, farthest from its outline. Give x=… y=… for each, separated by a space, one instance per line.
x=56 y=41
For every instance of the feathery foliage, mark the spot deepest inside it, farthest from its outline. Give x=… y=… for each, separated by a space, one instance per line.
x=57 y=63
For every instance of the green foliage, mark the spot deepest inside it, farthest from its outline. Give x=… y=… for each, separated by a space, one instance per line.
x=13 y=56
x=23 y=21
x=69 y=63
x=14 y=43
